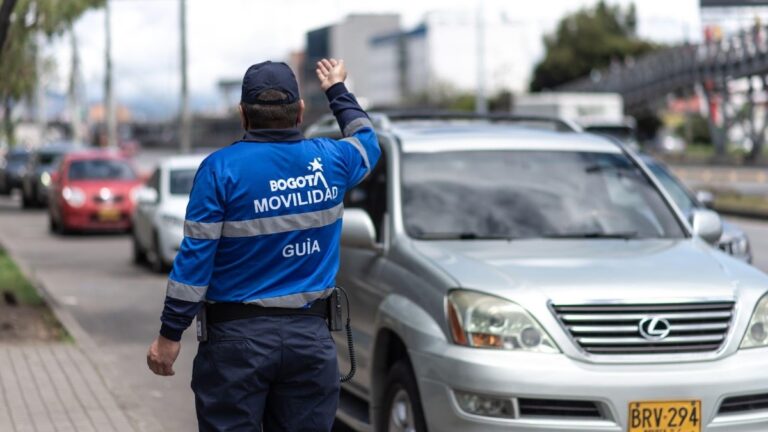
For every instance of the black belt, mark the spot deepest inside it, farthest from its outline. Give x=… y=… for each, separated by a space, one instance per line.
x=222 y=312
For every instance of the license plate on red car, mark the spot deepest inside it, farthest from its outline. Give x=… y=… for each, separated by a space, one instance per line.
x=109 y=215
x=677 y=416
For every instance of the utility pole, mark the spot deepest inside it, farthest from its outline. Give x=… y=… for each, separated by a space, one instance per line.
x=41 y=119
x=185 y=141
x=481 y=102
x=109 y=97
x=74 y=87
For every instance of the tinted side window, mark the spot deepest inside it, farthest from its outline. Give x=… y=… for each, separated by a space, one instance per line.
x=371 y=196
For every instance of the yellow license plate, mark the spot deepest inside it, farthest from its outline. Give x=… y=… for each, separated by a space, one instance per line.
x=109 y=215
x=680 y=416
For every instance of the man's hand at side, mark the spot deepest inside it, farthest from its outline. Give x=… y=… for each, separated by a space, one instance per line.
x=330 y=72
x=161 y=356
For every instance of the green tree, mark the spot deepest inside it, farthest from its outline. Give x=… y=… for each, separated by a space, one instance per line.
x=18 y=53
x=587 y=40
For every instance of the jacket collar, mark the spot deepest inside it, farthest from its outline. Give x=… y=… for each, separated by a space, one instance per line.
x=273 y=135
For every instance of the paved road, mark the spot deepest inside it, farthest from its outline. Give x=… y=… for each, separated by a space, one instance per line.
x=118 y=305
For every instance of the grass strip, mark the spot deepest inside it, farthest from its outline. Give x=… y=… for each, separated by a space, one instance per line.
x=13 y=282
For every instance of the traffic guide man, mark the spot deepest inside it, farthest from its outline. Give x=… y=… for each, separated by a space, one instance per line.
x=260 y=255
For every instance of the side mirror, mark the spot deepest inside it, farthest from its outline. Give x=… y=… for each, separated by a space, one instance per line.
x=707 y=225
x=706 y=198
x=146 y=195
x=55 y=176
x=357 y=230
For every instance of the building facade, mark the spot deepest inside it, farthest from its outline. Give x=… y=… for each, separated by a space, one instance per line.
x=443 y=55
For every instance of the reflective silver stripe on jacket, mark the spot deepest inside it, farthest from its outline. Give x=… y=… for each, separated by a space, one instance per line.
x=263 y=226
x=355 y=125
x=180 y=291
x=293 y=301
x=359 y=146
x=202 y=230
x=285 y=223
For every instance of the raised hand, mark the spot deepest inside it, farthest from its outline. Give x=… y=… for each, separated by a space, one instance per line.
x=330 y=72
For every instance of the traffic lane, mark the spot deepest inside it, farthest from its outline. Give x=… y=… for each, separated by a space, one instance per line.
x=757 y=230
x=116 y=303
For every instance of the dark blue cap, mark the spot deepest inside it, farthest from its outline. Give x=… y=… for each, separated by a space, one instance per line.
x=269 y=76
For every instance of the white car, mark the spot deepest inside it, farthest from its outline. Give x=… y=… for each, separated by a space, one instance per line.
x=159 y=214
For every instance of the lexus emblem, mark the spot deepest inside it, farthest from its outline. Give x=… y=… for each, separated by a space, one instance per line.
x=654 y=328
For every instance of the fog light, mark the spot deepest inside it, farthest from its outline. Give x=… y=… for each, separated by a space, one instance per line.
x=758 y=332
x=484 y=405
x=530 y=337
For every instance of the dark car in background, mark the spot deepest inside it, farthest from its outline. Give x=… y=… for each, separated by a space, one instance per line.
x=734 y=240
x=12 y=168
x=37 y=176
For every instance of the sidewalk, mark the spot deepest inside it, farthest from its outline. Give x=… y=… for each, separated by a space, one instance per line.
x=54 y=387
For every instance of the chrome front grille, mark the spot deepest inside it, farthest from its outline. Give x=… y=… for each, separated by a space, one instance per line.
x=614 y=329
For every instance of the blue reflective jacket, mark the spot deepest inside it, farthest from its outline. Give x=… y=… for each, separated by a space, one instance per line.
x=264 y=217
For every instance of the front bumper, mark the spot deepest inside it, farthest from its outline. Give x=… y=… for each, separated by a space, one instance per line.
x=610 y=387
x=88 y=218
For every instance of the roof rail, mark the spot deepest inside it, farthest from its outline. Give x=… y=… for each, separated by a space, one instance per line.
x=558 y=124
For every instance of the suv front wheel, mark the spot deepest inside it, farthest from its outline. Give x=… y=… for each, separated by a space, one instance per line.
x=403 y=406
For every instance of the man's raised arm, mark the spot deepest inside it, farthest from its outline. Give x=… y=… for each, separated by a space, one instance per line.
x=363 y=151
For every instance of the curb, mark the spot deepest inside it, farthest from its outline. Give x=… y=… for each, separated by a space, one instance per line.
x=139 y=418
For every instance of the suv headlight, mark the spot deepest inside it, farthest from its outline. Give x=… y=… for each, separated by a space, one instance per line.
x=485 y=321
x=757 y=332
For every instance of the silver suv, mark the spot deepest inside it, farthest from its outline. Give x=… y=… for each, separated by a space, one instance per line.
x=505 y=278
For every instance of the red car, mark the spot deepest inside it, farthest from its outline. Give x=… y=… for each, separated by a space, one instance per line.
x=93 y=191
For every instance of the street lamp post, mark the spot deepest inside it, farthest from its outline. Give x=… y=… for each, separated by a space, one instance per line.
x=109 y=97
x=185 y=142
x=481 y=101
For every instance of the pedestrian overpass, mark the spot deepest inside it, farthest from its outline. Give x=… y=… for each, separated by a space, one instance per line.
x=731 y=74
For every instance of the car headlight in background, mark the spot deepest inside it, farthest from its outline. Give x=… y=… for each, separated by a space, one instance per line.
x=740 y=246
x=45 y=179
x=172 y=221
x=73 y=196
x=485 y=321
x=757 y=331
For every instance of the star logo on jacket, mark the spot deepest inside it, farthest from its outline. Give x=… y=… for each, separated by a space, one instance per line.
x=315 y=165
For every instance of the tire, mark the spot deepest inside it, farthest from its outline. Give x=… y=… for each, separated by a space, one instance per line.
x=26 y=202
x=156 y=262
x=139 y=256
x=402 y=406
x=58 y=226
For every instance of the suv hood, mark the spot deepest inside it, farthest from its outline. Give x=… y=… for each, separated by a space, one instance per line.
x=577 y=271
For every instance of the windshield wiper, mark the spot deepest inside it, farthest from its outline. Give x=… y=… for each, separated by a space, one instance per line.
x=461 y=236
x=593 y=235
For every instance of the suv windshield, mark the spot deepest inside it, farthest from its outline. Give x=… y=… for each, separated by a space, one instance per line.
x=531 y=194
x=101 y=169
x=181 y=181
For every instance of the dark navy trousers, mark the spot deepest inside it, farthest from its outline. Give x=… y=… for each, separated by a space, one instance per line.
x=272 y=373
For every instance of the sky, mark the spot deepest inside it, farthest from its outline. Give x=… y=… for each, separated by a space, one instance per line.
x=226 y=36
